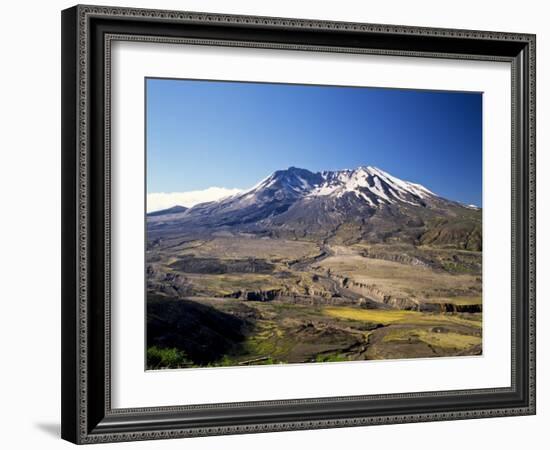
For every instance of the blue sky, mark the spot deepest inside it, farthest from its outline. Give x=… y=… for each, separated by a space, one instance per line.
x=202 y=134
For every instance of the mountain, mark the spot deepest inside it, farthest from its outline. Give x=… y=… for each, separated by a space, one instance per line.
x=173 y=210
x=365 y=203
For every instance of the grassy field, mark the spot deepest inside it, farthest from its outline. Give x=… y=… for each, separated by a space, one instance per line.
x=388 y=317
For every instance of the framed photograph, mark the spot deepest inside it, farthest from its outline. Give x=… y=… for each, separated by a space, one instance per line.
x=279 y=224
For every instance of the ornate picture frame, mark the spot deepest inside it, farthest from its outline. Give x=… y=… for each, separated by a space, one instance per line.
x=87 y=36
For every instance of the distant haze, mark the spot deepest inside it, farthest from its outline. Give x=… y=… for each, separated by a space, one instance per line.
x=163 y=200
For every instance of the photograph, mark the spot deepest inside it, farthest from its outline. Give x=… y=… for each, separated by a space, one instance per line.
x=293 y=223
x=272 y=222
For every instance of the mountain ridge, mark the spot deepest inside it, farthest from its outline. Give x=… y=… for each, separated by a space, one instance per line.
x=365 y=203
x=176 y=209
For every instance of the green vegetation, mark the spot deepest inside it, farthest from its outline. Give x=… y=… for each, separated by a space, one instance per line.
x=269 y=341
x=166 y=358
x=331 y=358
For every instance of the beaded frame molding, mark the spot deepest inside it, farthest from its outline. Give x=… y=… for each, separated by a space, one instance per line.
x=87 y=35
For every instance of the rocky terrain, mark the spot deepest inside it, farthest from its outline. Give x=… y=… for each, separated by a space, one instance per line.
x=314 y=267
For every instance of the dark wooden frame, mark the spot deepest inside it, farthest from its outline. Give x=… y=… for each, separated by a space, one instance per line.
x=87 y=32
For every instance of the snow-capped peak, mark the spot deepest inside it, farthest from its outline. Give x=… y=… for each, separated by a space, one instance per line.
x=371 y=184
x=366 y=183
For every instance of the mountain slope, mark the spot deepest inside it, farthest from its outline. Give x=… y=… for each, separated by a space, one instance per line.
x=348 y=206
